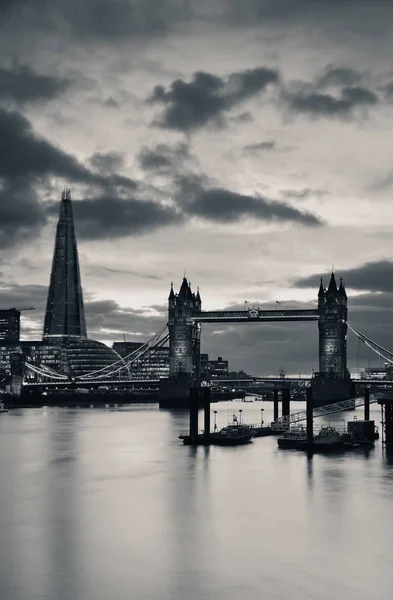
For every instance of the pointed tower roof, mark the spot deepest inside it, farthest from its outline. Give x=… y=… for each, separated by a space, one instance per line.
x=65 y=315
x=171 y=293
x=341 y=290
x=184 y=289
x=321 y=290
x=332 y=289
x=198 y=296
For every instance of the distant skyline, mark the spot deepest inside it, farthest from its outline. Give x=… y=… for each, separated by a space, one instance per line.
x=247 y=143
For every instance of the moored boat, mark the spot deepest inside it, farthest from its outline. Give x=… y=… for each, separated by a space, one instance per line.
x=293 y=438
x=3 y=409
x=234 y=434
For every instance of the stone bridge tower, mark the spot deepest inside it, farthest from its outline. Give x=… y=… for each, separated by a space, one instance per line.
x=332 y=325
x=184 y=333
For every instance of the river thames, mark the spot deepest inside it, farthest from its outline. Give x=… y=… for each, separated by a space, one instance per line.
x=99 y=504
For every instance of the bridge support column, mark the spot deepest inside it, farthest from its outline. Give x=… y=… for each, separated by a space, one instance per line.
x=367 y=404
x=309 y=418
x=275 y=404
x=194 y=397
x=286 y=399
x=206 y=408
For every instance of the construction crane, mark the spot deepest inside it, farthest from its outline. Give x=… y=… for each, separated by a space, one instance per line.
x=20 y=308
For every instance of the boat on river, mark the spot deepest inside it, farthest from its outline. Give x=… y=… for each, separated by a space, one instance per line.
x=328 y=439
x=234 y=434
x=3 y=409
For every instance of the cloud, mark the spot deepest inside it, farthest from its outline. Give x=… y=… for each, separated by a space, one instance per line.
x=100 y=21
x=325 y=105
x=21 y=214
x=304 y=193
x=107 y=162
x=223 y=206
x=208 y=97
x=338 y=76
x=260 y=147
x=373 y=276
x=21 y=85
x=108 y=216
x=163 y=157
x=388 y=89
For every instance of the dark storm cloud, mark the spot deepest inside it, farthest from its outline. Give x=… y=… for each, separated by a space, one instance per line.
x=163 y=157
x=110 y=216
x=338 y=76
x=21 y=214
x=317 y=104
x=103 y=21
x=207 y=97
x=16 y=295
x=388 y=89
x=260 y=147
x=26 y=154
x=373 y=276
x=21 y=84
x=107 y=162
x=223 y=206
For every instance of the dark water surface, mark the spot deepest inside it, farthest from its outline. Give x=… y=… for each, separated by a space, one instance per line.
x=100 y=504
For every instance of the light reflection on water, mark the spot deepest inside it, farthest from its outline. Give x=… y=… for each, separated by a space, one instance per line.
x=98 y=504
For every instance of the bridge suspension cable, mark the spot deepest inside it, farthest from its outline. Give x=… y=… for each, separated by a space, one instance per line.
x=45 y=372
x=379 y=350
x=157 y=340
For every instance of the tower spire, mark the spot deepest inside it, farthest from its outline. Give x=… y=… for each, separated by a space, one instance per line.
x=65 y=315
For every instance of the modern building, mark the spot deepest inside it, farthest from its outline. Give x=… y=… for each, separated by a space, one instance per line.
x=218 y=369
x=65 y=346
x=9 y=327
x=65 y=315
x=204 y=366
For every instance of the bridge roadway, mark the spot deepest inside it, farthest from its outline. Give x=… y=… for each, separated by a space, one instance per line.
x=255 y=315
x=96 y=383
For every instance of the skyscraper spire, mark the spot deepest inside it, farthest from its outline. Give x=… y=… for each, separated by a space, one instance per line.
x=65 y=315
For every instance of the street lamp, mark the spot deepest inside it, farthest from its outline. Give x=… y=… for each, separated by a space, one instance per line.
x=215 y=420
x=262 y=421
x=240 y=416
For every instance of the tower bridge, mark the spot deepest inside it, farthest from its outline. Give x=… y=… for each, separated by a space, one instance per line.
x=67 y=356
x=185 y=319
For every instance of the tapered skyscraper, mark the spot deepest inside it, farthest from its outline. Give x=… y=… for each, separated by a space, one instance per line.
x=65 y=315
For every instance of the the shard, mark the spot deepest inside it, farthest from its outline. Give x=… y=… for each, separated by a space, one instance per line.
x=65 y=315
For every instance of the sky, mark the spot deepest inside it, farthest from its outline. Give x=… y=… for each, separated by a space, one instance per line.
x=246 y=144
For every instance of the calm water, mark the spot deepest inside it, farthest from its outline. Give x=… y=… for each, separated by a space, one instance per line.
x=107 y=504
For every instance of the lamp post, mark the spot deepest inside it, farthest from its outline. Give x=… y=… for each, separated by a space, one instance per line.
x=215 y=420
x=262 y=421
x=240 y=416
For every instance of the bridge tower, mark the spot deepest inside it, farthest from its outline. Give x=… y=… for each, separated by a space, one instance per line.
x=184 y=333
x=332 y=305
x=333 y=381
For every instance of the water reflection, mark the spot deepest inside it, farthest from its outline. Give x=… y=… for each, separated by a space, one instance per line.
x=98 y=504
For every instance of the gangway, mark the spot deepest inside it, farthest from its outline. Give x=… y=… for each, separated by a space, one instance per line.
x=297 y=417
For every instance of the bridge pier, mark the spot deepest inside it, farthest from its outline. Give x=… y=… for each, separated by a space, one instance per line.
x=194 y=401
x=275 y=404
x=286 y=401
x=367 y=404
x=309 y=419
x=206 y=408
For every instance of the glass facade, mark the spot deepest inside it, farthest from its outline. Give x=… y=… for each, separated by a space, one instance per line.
x=9 y=326
x=65 y=314
x=155 y=366
x=73 y=357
